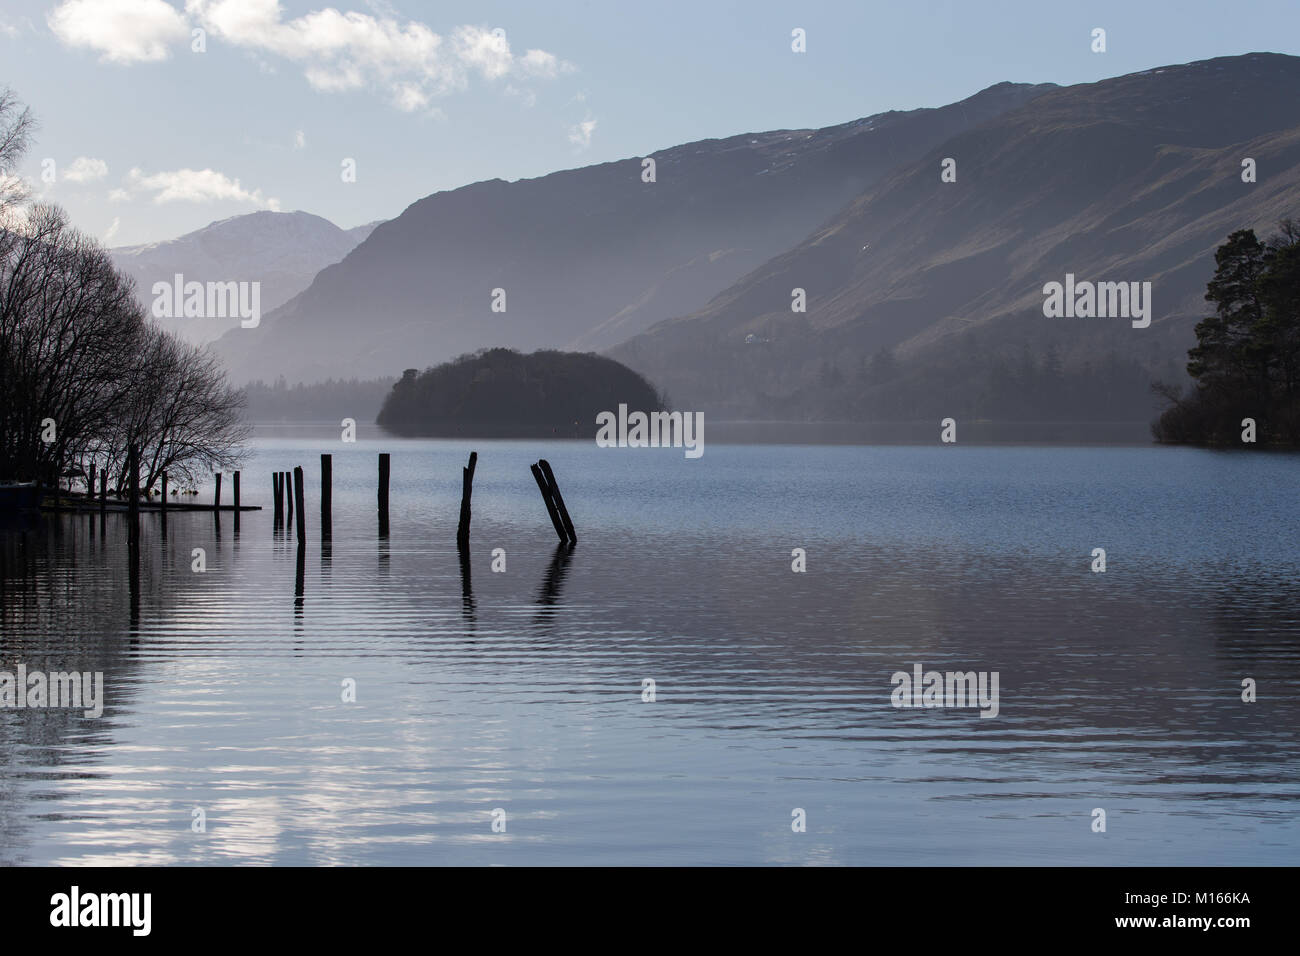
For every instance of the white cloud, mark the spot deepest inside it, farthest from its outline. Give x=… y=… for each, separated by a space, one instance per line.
x=122 y=31
x=545 y=65
x=84 y=169
x=119 y=195
x=8 y=29
x=337 y=50
x=580 y=135
x=196 y=185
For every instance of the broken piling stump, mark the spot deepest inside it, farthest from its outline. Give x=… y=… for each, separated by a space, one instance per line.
x=545 y=489
x=133 y=493
x=383 y=494
x=298 y=498
x=326 y=497
x=467 y=488
x=558 y=499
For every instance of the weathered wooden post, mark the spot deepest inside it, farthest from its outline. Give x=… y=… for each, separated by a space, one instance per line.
x=326 y=497
x=288 y=497
x=298 y=588
x=103 y=489
x=559 y=500
x=164 y=494
x=236 y=501
x=466 y=489
x=550 y=505
x=383 y=494
x=90 y=485
x=298 y=497
x=133 y=491
x=277 y=500
x=216 y=501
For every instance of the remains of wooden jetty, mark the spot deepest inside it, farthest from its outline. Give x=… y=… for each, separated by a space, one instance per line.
x=326 y=497
x=466 y=490
x=383 y=494
x=554 y=502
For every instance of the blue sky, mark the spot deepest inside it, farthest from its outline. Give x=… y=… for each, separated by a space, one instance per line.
x=150 y=139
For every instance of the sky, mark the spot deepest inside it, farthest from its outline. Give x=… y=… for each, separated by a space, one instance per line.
x=143 y=136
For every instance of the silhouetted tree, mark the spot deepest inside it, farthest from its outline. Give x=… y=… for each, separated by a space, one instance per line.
x=1246 y=361
x=77 y=351
x=503 y=393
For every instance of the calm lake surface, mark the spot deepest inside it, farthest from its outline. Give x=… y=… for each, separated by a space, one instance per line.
x=522 y=690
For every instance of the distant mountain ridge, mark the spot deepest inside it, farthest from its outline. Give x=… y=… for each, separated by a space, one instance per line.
x=586 y=257
x=282 y=251
x=1133 y=178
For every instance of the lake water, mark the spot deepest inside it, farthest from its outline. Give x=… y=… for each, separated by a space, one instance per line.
x=523 y=691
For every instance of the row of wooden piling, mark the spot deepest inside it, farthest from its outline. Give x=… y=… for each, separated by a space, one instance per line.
x=133 y=487
x=287 y=495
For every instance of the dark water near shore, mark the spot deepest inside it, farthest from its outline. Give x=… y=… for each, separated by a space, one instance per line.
x=522 y=690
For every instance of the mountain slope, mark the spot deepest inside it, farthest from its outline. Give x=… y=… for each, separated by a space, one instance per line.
x=587 y=257
x=925 y=296
x=283 y=251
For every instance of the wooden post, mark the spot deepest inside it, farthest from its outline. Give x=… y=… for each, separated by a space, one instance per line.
x=550 y=505
x=383 y=494
x=90 y=485
x=277 y=499
x=466 y=489
x=298 y=495
x=236 y=501
x=559 y=500
x=288 y=496
x=216 y=501
x=133 y=491
x=103 y=489
x=326 y=497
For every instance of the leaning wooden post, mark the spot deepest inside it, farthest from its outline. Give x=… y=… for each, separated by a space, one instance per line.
x=383 y=494
x=298 y=495
x=326 y=497
x=550 y=505
x=216 y=501
x=559 y=500
x=466 y=489
x=133 y=491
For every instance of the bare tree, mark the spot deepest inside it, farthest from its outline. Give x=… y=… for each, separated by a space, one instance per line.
x=16 y=128
x=84 y=375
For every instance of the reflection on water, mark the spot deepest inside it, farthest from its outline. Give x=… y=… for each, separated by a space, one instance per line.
x=523 y=690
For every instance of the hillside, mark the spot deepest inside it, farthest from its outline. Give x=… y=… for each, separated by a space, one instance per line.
x=587 y=257
x=282 y=251
x=925 y=298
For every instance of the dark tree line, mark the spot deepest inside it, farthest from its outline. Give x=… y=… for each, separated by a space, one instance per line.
x=1246 y=361
x=330 y=400
x=500 y=392
x=84 y=375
